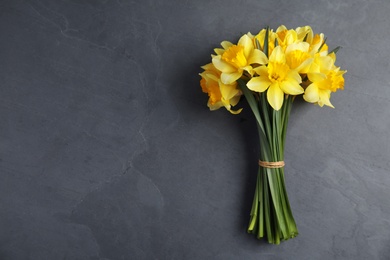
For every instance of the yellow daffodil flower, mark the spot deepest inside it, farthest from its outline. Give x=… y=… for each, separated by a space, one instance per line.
x=220 y=94
x=271 y=39
x=278 y=78
x=329 y=79
x=305 y=32
x=296 y=62
x=321 y=63
x=298 y=57
x=315 y=41
x=233 y=60
x=226 y=45
x=286 y=37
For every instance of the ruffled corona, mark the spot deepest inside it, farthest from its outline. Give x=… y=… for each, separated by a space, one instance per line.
x=220 y=95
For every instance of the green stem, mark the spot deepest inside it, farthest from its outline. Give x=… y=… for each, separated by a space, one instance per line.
x=271 y=215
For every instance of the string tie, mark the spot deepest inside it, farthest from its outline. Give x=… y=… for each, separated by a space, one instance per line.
x=279 y=164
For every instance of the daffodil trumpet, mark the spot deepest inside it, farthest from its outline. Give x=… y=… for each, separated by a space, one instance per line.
x=270 y=69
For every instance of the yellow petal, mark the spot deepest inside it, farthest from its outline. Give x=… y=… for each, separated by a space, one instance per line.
x=234 y=112
x=214 y=106
x=278 y=55
x=247 y=43
x=208 y=66
x=325 y=63
x=281 y=28
x=303 y=32
x=291 y=37
x=219 y=51
x=209 y=75
x=311 y=94
x=235 y=100
x=301 y=46
x=226 y=44
x=316 y=77
x=229 y=78
x=291 y=87
x=324 y=98
x=333 y=56
x=228 y=91
x=292 y=74
x=262 y=71
x=222 y=65
x=257 y=57
x=228 y=103
x=275 y=96
x=304 y=67
x=313 y=68
x=258 y=84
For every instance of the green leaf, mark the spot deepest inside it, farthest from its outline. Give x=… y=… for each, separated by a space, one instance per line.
x=265 y=50
x=251 y=101
x=335 y=50
x=305 y=39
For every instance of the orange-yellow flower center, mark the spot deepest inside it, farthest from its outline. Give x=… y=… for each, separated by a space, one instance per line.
x=235 y=56
x=337 y=81
x=282 y=35
x=318 y=41
x=295 y=58
x=212 y=89
x=277 y=71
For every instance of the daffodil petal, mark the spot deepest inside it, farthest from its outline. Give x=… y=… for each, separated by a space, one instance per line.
x=219 y=51
x=208 y=66
x=304 y=67
x=247 y=43
x=249 y=69
x=222 y=65
x=277 y=55
x=303 y=32
x=332 y=56
x=281 y=28
x=234 y=112
x=311 y=94
x=234 y=100
x=291 y=87
x=258 y=57
x=316 y=77
x=229 y=78
x=262 y=71
x=301 y=46
x=275 y=96
x=291 y=37
x=314 y=68
x=228 y=104
x=226 y=44
x=325 y=63
x=293 y=74
x=214 y=106
x=228 y=91
x=324 y=98
x=210 y=76
x=258 y=84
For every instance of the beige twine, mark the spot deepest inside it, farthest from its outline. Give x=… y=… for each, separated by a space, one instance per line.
x=279 y=164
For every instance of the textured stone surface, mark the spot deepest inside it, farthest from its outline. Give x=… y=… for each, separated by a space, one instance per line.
x=108 y=151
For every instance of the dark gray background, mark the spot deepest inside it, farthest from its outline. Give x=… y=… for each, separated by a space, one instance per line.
x=108 y=151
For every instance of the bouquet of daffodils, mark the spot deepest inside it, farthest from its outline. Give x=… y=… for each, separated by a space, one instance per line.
x=270 y=69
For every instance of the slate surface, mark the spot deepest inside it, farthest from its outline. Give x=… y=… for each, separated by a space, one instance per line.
x=108 y=151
